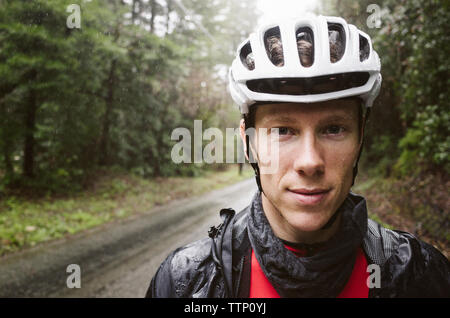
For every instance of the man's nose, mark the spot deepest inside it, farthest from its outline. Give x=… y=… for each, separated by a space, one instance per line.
x=309 y=156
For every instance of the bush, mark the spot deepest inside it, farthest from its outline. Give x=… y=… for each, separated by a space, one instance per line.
x=427 y=142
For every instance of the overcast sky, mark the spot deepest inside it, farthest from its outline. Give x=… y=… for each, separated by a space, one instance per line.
x=285 y=8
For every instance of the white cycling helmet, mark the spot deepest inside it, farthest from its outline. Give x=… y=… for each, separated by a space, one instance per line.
x=353 y=69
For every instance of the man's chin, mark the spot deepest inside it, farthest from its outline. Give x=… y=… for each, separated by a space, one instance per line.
x=306 y=222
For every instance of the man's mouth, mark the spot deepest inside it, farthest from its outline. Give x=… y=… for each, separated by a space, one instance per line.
x=309 y=196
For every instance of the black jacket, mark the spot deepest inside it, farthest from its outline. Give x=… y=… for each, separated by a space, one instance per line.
x=219 y=265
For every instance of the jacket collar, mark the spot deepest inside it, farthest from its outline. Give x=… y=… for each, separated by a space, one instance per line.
x=378 y=243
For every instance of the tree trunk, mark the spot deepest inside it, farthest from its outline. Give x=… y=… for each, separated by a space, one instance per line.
x=169 y=9
x=7 y=156
x=135 y=10
x=109 y=100
x=152 y=18
x=30 y=126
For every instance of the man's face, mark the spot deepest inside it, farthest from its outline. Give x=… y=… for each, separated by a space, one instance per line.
x=318 y=145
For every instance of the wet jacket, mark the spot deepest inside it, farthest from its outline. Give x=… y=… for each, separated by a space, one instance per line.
x=219 y=265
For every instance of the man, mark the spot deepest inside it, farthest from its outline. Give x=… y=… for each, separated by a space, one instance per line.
x=310 y=83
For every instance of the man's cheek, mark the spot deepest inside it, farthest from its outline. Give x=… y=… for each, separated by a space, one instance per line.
x=268 y=152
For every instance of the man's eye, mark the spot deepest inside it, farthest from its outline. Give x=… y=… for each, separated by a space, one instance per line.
x=282 y=130
x=334 y=130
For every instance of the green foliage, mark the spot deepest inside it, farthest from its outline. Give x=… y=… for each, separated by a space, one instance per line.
x=427 y=141
x=111 y=92
x=409 y=128
x=419 y=31
x=382 y=155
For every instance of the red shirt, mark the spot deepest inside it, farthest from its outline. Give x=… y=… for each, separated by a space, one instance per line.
x=356 y=287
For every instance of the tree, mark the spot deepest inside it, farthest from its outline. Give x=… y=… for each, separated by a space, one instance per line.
x=108 y=89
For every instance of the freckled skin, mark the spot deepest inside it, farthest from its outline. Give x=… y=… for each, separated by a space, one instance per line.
x=313 y=153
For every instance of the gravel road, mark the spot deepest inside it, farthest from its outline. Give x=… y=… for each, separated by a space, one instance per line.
x=120 y=258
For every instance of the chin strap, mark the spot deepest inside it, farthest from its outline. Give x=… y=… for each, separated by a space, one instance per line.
x=355 y=168
x=253 y=164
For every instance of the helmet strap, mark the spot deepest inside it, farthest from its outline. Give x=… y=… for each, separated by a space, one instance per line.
x=355 y=168
x=253 y=164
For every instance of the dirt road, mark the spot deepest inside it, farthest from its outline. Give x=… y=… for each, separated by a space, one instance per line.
x=118 y=259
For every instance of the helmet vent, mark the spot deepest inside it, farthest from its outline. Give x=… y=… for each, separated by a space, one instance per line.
x=309 y=86
x=274 y=46
x=247 y=58
x=305 y=46
x=364 y=48
x=336 y=37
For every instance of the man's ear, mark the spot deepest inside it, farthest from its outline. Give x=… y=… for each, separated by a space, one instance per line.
x=243 y=137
